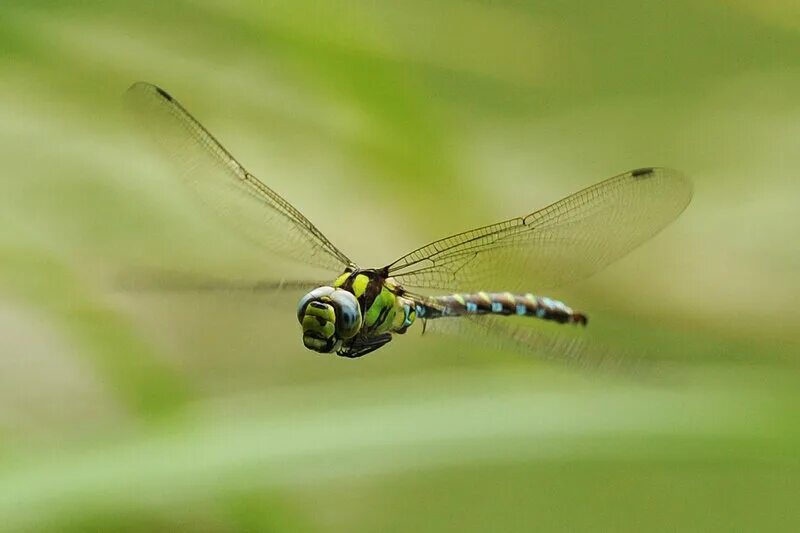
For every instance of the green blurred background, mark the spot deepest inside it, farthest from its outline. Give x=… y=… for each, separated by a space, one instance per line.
x=144 y=411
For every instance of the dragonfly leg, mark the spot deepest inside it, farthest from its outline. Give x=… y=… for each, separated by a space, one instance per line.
x=363 y=346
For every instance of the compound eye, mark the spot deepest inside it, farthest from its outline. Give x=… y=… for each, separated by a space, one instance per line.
x=316 y=294
x=348 y=313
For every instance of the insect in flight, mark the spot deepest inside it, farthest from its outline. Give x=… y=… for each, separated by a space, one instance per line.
x=361 y=309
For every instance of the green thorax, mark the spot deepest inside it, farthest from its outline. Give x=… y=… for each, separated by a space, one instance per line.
x=383 y=310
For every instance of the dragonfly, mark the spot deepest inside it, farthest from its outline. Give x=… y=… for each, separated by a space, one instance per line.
x=448 y=281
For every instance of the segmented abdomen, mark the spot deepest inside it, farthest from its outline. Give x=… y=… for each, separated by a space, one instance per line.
x=503 y=303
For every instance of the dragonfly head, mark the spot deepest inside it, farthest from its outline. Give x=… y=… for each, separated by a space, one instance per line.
x=328 y=317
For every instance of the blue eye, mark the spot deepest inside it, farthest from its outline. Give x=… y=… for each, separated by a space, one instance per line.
x=316 y=294
x=348 y=313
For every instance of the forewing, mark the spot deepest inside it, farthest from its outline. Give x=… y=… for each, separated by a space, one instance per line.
x=219 y=181
x=561 y=243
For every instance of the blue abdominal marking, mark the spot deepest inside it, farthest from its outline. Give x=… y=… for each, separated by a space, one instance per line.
x=407 y=319
x=507 y=303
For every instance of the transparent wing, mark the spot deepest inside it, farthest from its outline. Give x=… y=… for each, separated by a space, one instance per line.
x=160 y=280
x=563 y=242
x=240 y=199
x=570 y=345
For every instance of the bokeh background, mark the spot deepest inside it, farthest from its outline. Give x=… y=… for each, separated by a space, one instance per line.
x=391 y=124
